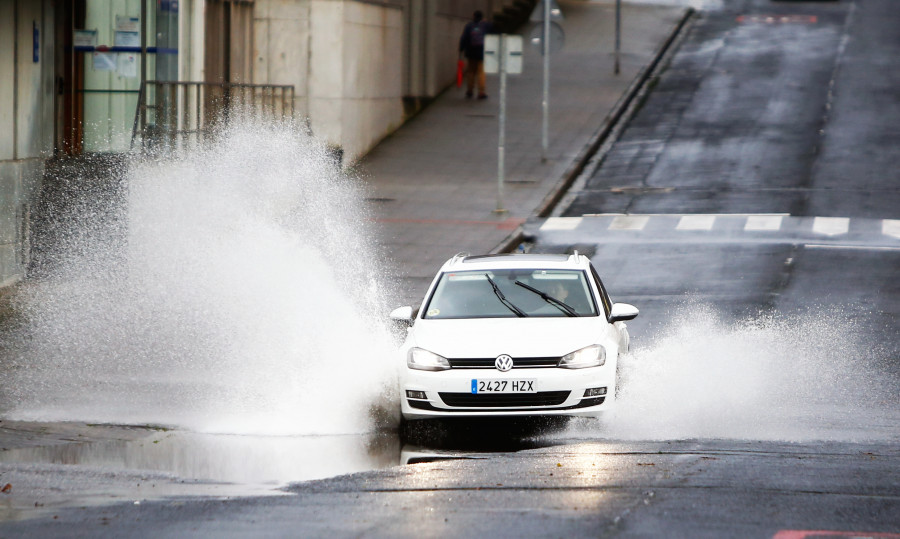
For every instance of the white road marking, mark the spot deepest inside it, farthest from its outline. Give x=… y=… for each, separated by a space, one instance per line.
x=890 y=227
x=850 y=247
x=763 y=222
x=561 y=223
x=823 y=226
x=831 y=226
x=696 y=222
x=629 y=222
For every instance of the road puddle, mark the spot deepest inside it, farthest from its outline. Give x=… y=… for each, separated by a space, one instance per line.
x=259 y=460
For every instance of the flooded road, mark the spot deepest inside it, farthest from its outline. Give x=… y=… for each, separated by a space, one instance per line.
x=272 y=461
x=761 y=394
x=53 y=466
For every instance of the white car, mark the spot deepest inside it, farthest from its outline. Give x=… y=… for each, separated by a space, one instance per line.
x=512 y=335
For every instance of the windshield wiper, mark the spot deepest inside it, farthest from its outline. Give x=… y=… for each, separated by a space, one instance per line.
x=550 y=299
x=506 y=303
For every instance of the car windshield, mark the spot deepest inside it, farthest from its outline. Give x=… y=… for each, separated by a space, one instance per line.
x=509 y=293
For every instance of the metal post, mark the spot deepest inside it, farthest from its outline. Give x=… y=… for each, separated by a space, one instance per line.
x=501 y=156
x=73 y=130
x=545 y=103
x=146 y=94
x=618 y=32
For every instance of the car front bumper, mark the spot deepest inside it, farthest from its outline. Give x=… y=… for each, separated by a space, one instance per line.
x=559 y=392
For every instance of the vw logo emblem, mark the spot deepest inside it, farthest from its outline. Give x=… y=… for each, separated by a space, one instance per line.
x=503 y=363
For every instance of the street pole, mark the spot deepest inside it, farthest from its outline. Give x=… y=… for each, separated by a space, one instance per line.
x=146 y=95
x=618 y=32
x=545 y=104
x=501 y=155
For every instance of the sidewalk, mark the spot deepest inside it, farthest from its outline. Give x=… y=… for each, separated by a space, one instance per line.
x=434 y=181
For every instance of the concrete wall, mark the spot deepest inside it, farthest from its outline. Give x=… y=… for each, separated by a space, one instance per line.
x=281 y=41
x=355 y=83
x=26 y=122
x=352 y=62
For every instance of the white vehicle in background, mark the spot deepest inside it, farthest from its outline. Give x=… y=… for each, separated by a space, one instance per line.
x=512 y=335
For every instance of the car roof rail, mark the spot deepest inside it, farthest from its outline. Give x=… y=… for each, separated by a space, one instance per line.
x=457 y=257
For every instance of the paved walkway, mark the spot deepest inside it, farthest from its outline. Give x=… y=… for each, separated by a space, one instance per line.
x=434 y=181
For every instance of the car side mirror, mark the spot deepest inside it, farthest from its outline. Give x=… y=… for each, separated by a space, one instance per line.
x=402 y=314
x=622 y=311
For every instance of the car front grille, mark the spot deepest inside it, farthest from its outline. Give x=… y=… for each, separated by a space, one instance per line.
x=505 y=400
x=518 y=362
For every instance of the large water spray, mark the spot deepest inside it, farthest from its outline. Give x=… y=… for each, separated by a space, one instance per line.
x=801 y=377
x=245 y=296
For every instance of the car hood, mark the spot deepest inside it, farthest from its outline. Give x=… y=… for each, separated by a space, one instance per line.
x=517 y=337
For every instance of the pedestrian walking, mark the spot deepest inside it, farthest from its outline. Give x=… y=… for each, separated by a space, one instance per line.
x=471 y=45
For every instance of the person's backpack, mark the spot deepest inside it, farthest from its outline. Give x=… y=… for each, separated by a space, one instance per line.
x=476 y=35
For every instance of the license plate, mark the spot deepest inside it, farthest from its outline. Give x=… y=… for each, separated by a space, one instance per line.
x=503 y=386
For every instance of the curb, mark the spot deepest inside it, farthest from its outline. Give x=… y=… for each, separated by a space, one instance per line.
x=616 y=116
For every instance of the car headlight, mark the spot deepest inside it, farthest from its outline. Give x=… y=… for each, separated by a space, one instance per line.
x=589 y=356
x=424 y=360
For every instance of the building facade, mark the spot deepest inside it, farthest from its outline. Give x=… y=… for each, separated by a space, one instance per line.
x=71 y=74
x=27 y=112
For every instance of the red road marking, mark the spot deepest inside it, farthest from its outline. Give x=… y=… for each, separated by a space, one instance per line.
x=816 y=534
x=778 y=19
x=509 y=223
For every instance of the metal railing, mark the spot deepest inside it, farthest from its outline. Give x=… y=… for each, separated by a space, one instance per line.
x=183 y=113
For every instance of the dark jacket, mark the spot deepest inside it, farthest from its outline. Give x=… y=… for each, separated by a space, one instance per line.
x=472 y=40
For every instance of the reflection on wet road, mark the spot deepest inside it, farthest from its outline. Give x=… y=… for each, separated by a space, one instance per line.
x=258 y=460
x=112 y=464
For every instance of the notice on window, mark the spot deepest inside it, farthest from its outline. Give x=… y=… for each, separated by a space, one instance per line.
x=124 y=23
x=127 y=65
x=127 y=39
x=85 y=38
x=104 y=61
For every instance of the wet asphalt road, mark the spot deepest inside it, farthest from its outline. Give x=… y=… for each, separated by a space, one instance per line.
x=591 y=489
x=786 y=119
x=769 y=107
x=784 y=111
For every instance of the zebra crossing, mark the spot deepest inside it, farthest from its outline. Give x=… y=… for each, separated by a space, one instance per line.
x=699 y=227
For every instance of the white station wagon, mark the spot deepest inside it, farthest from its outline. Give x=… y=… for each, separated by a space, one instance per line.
x=512 y=335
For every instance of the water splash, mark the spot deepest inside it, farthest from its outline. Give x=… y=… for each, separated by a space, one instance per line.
x=245 y=297
x=811 y=376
